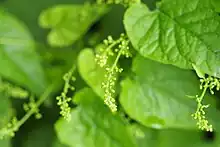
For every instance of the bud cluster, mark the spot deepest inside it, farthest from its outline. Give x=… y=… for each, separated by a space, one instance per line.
x=9 y=129
x=63 y=99
x=13 y=91
x=114 y=48
x=32 y=106
x=211 y=84
x=123 y=2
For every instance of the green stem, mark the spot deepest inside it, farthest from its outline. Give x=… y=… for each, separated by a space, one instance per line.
x=112 y=45
x=38 y=103
x=32 y=110
x=201 y=97
x=203 y=92
x=116 y=60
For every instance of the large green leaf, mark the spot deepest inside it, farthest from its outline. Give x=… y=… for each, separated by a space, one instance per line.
x=157 y=95
x=144 y=136
x=18 y=60
x=69 y=22
x=171 y=138
x=90 y=71
x=93 y=125
x=181 y=33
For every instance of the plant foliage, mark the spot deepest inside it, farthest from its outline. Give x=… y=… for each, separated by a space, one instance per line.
x=109 y=73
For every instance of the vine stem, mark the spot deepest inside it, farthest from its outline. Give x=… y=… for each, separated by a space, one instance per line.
x=112 y=45
x=38 y=103
x=202 y=96
x=203 y=92
x=46 y=94
x=116 y=60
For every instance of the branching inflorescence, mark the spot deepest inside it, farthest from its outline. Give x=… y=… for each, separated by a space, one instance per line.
x=210 y=84
x=63 y=99
x=124 y=2
x=113 y=48
x=13 y=91
x=31 y=108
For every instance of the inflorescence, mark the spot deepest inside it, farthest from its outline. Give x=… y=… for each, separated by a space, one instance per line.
x=31 y=105
x=113 y=48
x=124 y=2
x=210 y=84
x=63 y=99
x=13 y=91
x=9 y=129
x=31 y=108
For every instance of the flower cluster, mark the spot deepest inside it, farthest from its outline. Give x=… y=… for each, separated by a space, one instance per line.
x=211 y=83
x=206 y=84
x=32 y=106
x=124 y=2
x=113 y=48
x=9 y=129
x=13 y=91
x=63 y=99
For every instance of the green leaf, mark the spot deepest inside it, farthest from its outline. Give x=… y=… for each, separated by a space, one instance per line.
x=18 y=60
x=57 y=143
x=29 y=11
x=5 y=115
x=198 y=72
x=56 y=61
x=216 y=5
x=157 y=96
x=93 y=125
x=180 y=33
x=171 y=138
x=90 y=71
x=5 y=109
x=41 y=135
x=69 y=22
x=5 y=143
x=144 y=136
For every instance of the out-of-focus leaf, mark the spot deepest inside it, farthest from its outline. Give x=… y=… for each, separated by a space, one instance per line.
x=216 y=4
x=171 y=138
x=21 y=9
x=57 y=143
x=5 y=143
x=5 y=109
x=5 y=115
x=18 y=60
x=93 y=125
x=144 y=136
x=40 y=136
x=69 y=22
x=57 y=62
x=156 y=95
